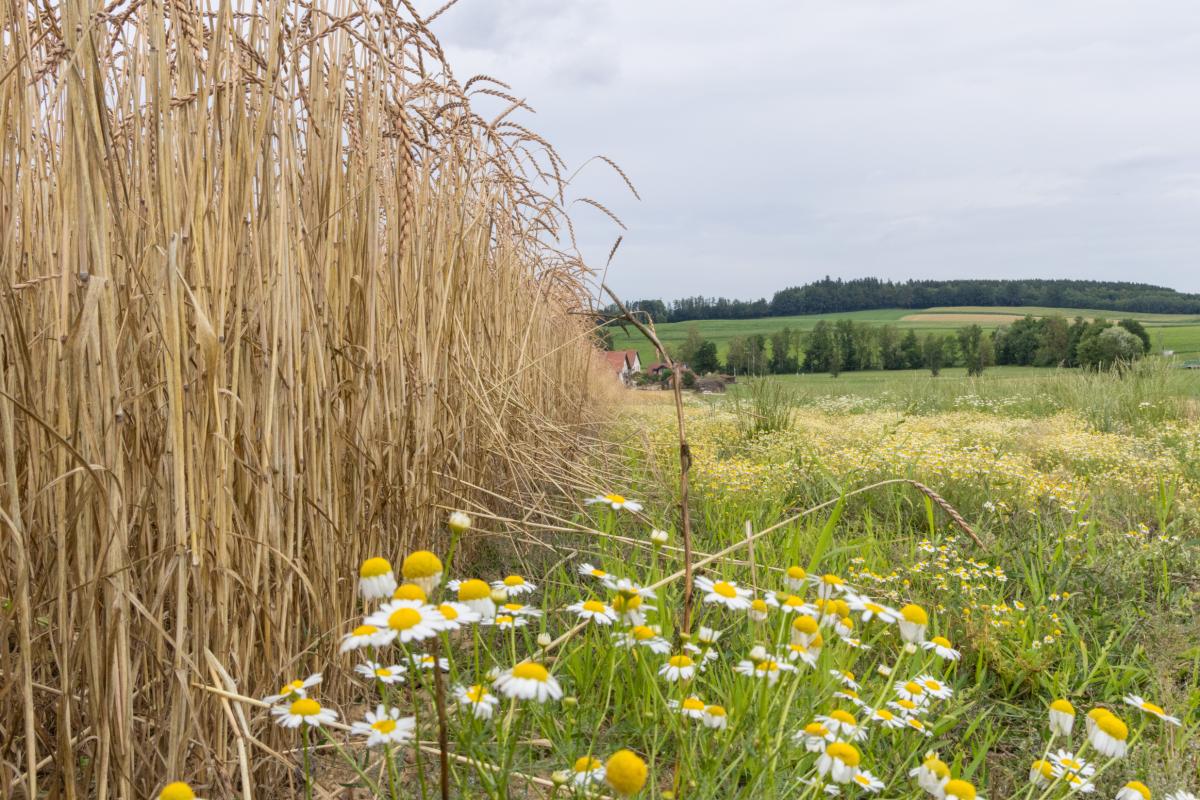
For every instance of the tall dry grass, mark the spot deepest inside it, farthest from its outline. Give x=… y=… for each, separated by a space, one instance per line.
x=271 y=293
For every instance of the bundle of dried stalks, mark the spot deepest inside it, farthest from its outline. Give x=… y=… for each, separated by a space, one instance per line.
x=271 y=292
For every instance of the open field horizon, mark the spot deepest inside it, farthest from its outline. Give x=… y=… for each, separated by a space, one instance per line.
x=1177 y=332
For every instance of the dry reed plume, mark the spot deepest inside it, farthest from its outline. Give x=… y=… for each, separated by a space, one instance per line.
x=271 y=292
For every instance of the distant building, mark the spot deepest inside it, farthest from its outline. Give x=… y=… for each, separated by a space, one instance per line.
x=624 y=364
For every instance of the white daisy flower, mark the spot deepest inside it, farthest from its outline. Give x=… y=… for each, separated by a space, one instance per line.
x=1108 y=734
x=692 y=707
x=594 y=611
x=715 y=717
x=798 y=652
x=940 y=645
x=407 y=620
x=1135 y=790
x=725 y=593
x=913 y=622
x=1181 y=795
x=932 y=775
x=589 y=571
x=867 y=782
x=960 y=790
x=385 y=726
x=422 y=568
x=528 y=681
x=1062 y=717
x=839 y=761
x=913 y=723
x=614 y=501
x=475 y=595
x=459 y=522
x=424 y=661
x=519 y=610
x=869 y=609
x=478 y=699
x=1063 y=761
x=795 y=577
x=913 y=691
x=845 y=677
x=644 y=636
x=759 y=610
x=935 y=688
x=374 y=671
x=303 y=711
x=814 y=736
x=843 y=725
x=294 y=689
x=678 y=668
x=805 y=630
x=457 y=615
x=587 y=770
x=363 y=636
x=767 y=668
x=794 y=604
x=887 y=719
x=1138 y=702
x=376 y=579
x=506 y=622
x=514 y=586
x=827 y=585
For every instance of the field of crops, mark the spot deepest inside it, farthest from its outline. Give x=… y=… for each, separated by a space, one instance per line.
x=1176 y=332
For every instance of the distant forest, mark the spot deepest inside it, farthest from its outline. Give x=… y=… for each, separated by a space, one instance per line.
x=861 y=294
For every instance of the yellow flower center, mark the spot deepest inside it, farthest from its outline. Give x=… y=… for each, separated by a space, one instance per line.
x=767 y=666
x=383 y=672
x=1153 y=709
x=364 y=630
x=514 y=580
x=531 y=671
x=874 y=608
x=936 y=766
x=942 y=641
x=960 y=790
x=715 y=711
x=586 y=764
x=916 y=615
x=625 y=772
x=933 y=685
x=759 y=605
x=289 y=688
x=724 y=589
x=642 y=632
x=680 y=661
x=846 y=753
x=615 y=499
x=906 y=704
x=1140 y=788
x=844 y=717
x=1063 y=706
x=594 y=606
x=914 y=688
x=374 y=567
x=448 y=611
x=829 y=579
x=404 y=618
x=1114 y=727
x=177 y=791
x=409 y=591
x=305 y=707
x=384 y=725
x=796 y=573
x=805 y=624
x=1043 y=768
x=816 y=729
x=693 y=704
x=476 y=693
x=421 y=564
x=504 y=619
x=473 y=589
x=885 y=715
x=622 y=603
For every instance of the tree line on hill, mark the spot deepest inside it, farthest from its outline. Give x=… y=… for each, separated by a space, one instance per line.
x=847 y=346
x=830 y=296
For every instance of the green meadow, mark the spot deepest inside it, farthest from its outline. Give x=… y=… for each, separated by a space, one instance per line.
x=1177 y=332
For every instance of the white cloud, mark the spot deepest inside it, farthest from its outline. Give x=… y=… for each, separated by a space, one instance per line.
x=774 y=142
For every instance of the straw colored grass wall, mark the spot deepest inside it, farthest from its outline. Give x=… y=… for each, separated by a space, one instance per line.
x=270 y=292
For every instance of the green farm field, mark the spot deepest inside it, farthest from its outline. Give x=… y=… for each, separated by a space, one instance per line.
x=1177 y=332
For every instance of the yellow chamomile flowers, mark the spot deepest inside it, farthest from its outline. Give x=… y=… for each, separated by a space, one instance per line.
x=913 y=622
x=376 y=579
x=625 y=772
x=839 y=762
x=614 y=501
x=294 y=689
x=1134 y=790
x=1107 y=733
x=406 y=620
x=1062 y=717
x=478 y=699
x=528 y=681
x=422 y=568
x=385 y=726
x=177 y=790
x=303 y=711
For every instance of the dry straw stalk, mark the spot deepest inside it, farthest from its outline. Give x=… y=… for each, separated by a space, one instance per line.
x=270 y=291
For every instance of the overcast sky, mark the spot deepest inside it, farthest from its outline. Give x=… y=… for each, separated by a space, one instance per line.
x=776 y=141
